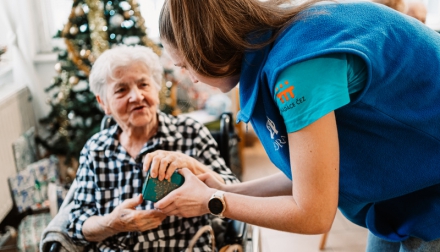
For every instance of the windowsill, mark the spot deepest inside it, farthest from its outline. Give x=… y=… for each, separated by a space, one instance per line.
x=8 y=90
x=5 y=69
x=46 y=57
x=5 y=74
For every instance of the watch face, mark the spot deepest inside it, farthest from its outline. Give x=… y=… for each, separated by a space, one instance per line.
x=215 y=205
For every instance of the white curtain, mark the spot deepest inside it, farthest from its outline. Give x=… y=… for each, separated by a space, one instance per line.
x=18 y=21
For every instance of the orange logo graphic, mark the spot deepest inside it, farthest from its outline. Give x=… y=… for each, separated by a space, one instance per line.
x=285 y=92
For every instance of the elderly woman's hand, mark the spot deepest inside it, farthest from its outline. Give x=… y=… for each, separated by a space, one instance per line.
x=124 y=218
x=163 y=163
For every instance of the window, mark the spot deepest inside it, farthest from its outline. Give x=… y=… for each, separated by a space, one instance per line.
x=5 y=57
x=433 y=16
x=150 y=10
x=61 y=11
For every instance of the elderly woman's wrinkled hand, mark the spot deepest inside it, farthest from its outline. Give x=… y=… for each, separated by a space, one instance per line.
x=163 y=163
x=124 y=218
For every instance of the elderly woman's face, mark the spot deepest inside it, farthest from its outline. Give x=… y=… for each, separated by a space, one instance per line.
x=133 y=98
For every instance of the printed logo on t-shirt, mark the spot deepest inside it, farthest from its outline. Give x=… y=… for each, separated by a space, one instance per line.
x=279 y=141
x=270 y=125
x=284 y=91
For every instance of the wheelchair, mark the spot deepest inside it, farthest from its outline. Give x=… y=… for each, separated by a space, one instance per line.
x=230 y=235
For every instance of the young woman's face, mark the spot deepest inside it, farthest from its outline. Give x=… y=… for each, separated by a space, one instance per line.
x=225 y=84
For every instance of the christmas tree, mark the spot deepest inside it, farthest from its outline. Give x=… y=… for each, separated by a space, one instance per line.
x=93 y=26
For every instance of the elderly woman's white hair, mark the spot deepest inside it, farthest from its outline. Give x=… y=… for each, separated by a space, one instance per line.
x=122 y=56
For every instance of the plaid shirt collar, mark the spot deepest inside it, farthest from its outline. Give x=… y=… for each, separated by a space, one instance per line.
x=109 y=142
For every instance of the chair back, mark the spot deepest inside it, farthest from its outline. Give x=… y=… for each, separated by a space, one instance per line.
x=107 y=121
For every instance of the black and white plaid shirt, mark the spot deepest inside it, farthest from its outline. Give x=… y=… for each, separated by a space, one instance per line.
x=108 y=175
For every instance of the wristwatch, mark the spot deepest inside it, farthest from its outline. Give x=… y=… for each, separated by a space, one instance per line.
x=217 y=204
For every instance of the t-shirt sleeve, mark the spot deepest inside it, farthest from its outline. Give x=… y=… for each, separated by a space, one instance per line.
x=306 y=91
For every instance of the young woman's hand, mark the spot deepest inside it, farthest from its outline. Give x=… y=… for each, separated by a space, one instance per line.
x=189 y=200
x=211 y=181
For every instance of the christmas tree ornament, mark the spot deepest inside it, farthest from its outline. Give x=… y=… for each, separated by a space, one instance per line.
x=125 y=5
x=73 y=80
x=127 y=24
x=85 y=8
x=83 y=28
x=132 y=40
x=109 y=6
x=84 y=53
x=58 y=67
x=71 y=115
x=79 y=11
x=116 y=20
x=127 y=14
x=73 y=30
x=60 y=96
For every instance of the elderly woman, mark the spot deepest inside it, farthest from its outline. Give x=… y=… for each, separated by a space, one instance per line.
x=110 y=213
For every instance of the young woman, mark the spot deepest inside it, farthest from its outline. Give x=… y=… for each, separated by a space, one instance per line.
x=345 y=98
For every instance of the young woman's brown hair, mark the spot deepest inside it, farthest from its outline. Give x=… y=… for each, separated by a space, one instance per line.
x=213 y=41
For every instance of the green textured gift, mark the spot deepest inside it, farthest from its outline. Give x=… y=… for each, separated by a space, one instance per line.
x=154 y=189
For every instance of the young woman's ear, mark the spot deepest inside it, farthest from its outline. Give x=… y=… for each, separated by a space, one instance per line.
x=102 y=105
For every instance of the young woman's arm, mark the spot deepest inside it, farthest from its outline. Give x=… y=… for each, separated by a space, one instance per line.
x=272 y=185
x=314 y=157
x=309 y=209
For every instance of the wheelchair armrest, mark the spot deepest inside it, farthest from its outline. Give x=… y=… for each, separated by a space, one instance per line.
x=236 y=232
x=55 y=247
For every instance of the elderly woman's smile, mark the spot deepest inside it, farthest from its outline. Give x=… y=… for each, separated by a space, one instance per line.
x=132 y=97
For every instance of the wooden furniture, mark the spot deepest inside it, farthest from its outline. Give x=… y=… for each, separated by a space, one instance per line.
x=323 y=241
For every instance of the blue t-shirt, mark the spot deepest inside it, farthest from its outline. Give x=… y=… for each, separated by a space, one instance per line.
x=389 y=139
x=310 y=89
